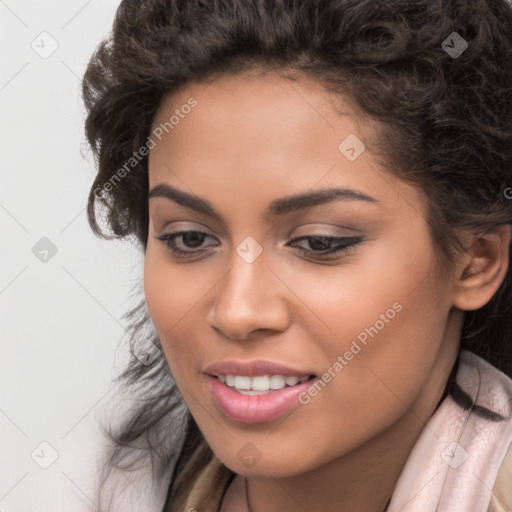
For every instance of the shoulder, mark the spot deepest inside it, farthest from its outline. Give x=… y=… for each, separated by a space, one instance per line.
x=202 y=483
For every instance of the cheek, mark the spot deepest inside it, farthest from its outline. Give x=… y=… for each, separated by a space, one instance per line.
x=171 y=291
x=387 y=360
x=172 y=298
x=157 y=282
x=178 y=297
x=386 y=322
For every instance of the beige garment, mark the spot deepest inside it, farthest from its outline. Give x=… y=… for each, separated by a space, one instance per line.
x=501 y=499
x=202 y=484
x=204 y=493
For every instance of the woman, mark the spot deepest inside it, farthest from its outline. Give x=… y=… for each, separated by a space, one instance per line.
x=320 y=192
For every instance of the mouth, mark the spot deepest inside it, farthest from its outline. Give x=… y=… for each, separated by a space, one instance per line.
x=257 y=391
x=261 y=384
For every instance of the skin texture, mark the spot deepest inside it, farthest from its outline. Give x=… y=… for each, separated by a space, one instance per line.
x=251 y=140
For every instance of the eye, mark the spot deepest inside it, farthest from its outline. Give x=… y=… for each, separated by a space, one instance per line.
x=321 y=246
x=191 y=242
x=186 y=243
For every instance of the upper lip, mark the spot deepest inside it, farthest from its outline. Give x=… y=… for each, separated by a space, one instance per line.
x=253 y=369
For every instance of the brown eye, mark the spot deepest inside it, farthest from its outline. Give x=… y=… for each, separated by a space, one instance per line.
x=192 y=238
x=326 y=245
x=185 y=243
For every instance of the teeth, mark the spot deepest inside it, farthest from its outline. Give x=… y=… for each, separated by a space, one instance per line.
x=242 y=382
x=277 y=382
x=260 y=384
x=291 y=381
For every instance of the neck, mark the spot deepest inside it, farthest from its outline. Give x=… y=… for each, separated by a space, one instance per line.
x=362 y=480
x=365 y=478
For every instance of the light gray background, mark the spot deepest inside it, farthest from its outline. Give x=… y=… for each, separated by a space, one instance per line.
x=60 y=320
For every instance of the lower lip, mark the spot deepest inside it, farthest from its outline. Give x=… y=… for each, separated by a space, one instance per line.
x=256 y=408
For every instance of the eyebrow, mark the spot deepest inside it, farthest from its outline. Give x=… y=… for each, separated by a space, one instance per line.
x=277 y=207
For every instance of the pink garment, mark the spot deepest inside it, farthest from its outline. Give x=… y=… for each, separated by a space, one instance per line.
x=455 y=462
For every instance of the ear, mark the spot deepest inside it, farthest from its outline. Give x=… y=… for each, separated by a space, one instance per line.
x=482 y=269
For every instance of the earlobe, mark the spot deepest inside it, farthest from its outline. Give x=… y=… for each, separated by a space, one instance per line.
x=482 y=271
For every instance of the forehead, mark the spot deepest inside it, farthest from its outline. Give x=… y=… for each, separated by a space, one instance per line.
x=258 y=108
x=264 y=133
x=260 y=121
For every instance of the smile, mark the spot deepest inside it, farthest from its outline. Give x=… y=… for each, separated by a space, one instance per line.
x=256 y=391
x=261 y=384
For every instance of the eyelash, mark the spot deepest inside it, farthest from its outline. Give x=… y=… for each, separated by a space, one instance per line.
x=342 y=244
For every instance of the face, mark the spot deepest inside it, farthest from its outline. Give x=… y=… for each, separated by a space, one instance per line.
x=254 y=272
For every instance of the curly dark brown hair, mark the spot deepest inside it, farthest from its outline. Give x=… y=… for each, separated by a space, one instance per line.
x=445 y=124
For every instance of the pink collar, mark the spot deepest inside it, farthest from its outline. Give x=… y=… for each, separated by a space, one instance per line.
x=455 y=462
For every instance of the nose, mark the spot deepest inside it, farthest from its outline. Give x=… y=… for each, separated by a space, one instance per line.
x=249 y=299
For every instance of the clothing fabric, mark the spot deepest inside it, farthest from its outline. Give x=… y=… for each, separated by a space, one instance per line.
x=462 y=461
